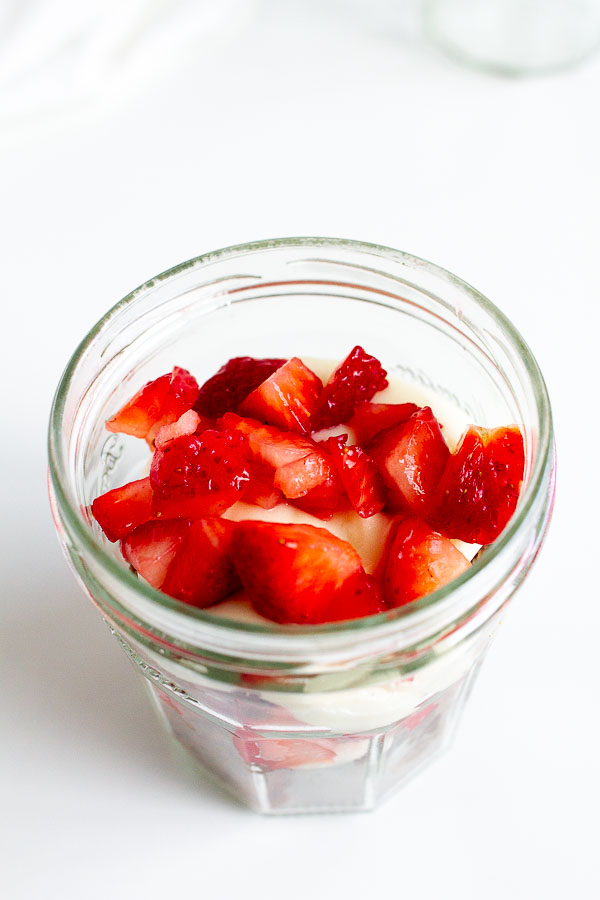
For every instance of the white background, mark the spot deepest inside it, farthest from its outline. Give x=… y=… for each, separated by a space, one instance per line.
x=301 y=120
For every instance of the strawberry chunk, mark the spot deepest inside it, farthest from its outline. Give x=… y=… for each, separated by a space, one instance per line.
x=195 y=476
x=411 y=458
x=158 y=403
x=359 y=476
x=301 y=574
x=260 y=488
x=202 y=572
x=266 y=445
x=355 y=380
x=312 y=484
x=152 y=547
x=232 y=383
x=370 y=419
x=287 y=399
x=124 y=508
x=418 y=561
x=480 y=485
x=188 y=423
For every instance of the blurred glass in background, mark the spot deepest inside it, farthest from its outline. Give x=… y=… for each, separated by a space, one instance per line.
x=515 y=37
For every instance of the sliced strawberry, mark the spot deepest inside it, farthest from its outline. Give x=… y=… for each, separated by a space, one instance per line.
x=312 y=484
x=152 y=547
x=265 y=444
x=284 y=753
x=411 y=458
x=297 y=478
x=202 y=572
x=185 y=424
x=370 y=419
x=480 y=485
x=158 y=403
x=355 y=380
x=260 y=488
x=195 y=476
x=233 y=382
x=124 y=508
x=301 y=574
x=418 y=561
x=287 y=399
x=359 y=476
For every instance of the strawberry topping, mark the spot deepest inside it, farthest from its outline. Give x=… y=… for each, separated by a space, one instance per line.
x=370 y=419
x=158 y=403
x=411 y=458
x=418 y=561
x=152 y=547
x=479 y=488
x=202 y=571
x=287 y=399
x=121 y=510
x=232 y=383
x=188 y=423
x=195 y=476
x=301 y=574
x=355 y=380
x=359 y=476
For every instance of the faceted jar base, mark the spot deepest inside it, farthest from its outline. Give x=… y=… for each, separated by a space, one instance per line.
x=286 y=772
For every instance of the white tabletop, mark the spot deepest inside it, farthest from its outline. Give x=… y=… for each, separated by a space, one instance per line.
x=299 y=122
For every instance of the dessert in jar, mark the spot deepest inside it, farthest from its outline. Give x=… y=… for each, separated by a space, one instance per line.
x=301 y=540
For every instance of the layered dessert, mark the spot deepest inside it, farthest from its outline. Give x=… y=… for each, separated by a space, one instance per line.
x=288 y=492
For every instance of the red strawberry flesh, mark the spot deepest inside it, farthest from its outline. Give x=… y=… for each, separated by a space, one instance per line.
x=287 y=399
x=301 y=574
x=370 y=419
x=479 y=489
x=232 y=383
x=196 y=476
x=356 y=379
x=359 y=476
x=202 y=571
x=411 y=458
x=418 y=561
x=152 y=547
x=158 y=403
x=124 y=508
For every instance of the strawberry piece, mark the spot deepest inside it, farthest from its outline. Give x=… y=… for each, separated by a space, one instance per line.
x=411 y=458
x=359 y=476
x=195 y=476
x=287 y=399
x=266 y=445
x=418 y=561
x=356 y=379
x=158 y=403
x=232 y=383
x=188 y=423
x=260 y=488
x=124 y=508
x=480 y=485
x=284 y=753
x=202 y=572
x=152 y=547
x=370 y=419
x=301 y=574
x=312 y=484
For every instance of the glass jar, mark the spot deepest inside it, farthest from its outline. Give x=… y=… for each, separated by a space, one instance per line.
x=302 y=718
x=515 y=37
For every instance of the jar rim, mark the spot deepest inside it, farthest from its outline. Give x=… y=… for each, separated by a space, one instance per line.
x=435 y=606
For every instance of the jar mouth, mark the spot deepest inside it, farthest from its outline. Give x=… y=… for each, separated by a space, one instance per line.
x=450 y=604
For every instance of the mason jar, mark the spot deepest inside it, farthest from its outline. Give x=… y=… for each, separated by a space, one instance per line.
x=302 y=718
